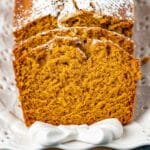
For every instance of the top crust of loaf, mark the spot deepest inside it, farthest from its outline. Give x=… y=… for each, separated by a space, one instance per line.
x=28 y=10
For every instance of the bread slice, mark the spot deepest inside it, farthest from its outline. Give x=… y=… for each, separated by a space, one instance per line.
x=69 y=82
x=32 y=17
x=88 y=19
x=80 y=32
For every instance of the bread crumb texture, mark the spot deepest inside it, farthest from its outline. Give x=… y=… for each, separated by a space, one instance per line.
x=72 y=82
x=81 y=32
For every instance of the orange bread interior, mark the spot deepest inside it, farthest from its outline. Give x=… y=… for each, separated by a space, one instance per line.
x=80 y=32
x=68 y=81
x=88 y=19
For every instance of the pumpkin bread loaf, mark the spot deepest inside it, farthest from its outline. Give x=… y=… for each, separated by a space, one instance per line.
x=67 y=81
x=80 y=32
x=34 y=16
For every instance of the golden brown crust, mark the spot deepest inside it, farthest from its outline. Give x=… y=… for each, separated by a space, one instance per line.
x=80 y=32
x=30 y=20
x=85 y=81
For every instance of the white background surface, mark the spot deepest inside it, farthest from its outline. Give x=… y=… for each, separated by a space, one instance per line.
x=14 y=135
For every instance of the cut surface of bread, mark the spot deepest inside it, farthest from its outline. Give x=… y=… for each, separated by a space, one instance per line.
x=70 y=82
x=81 y=32
x=32 y=16
x=87 y=19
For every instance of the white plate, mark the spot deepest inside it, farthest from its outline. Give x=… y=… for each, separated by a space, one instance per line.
x=136 y=134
